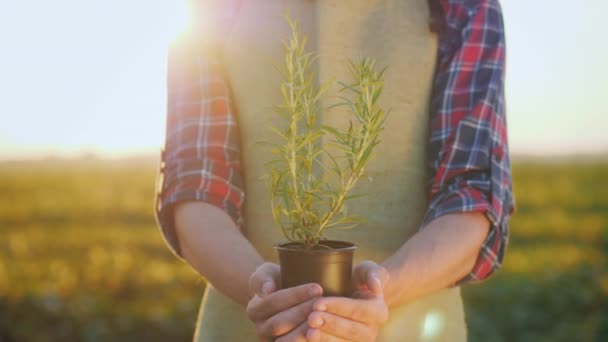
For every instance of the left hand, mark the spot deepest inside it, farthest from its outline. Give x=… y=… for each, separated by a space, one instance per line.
x=352 y=319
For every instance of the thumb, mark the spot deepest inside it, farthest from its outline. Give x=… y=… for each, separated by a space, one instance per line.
x=377 y=279
x=265 y=279
x=371 y=275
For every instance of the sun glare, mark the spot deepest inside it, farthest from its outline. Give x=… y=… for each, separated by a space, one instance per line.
x=178 y=18
x=101 y=66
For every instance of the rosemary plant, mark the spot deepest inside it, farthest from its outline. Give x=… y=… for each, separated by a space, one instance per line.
x=303 y=204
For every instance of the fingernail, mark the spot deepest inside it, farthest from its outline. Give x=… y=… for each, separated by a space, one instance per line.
x=377 y=282
x=320 y=307
x=374 y=282
x=314 y=291
x=267 y=287
x=316 y=322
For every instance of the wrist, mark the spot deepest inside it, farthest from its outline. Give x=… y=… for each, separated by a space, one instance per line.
x=401 y=286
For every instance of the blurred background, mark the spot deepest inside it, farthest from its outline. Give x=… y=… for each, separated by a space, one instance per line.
x=82 y=87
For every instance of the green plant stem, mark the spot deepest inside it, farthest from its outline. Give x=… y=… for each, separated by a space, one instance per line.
x=294 y=180
x=294 y=133
x=352 y=180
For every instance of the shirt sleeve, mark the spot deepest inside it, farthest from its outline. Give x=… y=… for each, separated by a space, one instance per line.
x=201 y=157
x=468 y=154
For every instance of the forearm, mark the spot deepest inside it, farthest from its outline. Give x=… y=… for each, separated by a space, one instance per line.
x=435 y=257
x=214 y=246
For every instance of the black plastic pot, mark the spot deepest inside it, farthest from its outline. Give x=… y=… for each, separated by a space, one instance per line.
x=329 y=267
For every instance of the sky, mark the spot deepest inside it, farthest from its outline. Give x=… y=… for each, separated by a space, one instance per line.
x=88 y=76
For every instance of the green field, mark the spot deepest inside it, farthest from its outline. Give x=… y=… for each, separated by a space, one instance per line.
x=81 y=258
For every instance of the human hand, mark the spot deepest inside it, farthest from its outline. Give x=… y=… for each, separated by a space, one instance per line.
x=279 y=315
x=352 y=319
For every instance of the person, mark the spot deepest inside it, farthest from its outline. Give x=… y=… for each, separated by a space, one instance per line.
x=439 y=196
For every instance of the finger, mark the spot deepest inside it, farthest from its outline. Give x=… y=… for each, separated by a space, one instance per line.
x=296 y=335
x=265 y=279
x=285 y=321
x=316 y=335
x=341 y=327
x=367 y=311
x=281 y=300
x=369 y=275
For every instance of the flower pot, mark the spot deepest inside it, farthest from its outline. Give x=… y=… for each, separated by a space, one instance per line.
x=329 y=265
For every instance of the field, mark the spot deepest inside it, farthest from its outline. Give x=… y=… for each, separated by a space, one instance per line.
x=81 y=258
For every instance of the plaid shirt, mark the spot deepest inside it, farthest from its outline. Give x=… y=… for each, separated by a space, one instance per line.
x=469 y=167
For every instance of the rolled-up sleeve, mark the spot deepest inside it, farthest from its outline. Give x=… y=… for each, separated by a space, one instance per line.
x=468 y=152
x=201 y=157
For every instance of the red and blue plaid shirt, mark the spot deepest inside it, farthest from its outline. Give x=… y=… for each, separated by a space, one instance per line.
x=469 y=166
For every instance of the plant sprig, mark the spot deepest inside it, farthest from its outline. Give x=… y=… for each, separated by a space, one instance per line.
x=304 y=205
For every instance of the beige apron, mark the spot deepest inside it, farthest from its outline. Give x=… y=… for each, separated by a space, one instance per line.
x=396 y=34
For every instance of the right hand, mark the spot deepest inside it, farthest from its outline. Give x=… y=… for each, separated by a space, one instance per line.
x=279 y=315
